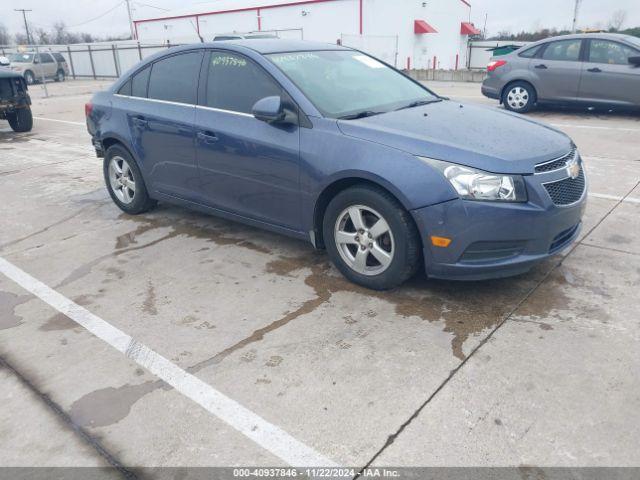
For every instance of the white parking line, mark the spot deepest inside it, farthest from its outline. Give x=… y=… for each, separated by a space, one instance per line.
x=267 y=435
x=60 y=121
x=615 y=197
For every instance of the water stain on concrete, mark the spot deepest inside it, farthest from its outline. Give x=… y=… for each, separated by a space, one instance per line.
x=8 y=303
x=149 y=304
x=59 y=321
x=109 y=405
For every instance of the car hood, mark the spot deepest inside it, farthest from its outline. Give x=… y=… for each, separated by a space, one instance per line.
x=480 y=137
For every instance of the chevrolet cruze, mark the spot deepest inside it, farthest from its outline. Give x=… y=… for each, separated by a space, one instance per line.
x=330 y=145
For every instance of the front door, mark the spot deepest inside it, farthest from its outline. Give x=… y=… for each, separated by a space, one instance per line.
x=247 y=166
x=607 y=75
x=557 y=70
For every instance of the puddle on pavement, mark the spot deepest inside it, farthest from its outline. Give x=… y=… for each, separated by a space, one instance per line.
x=8 y=303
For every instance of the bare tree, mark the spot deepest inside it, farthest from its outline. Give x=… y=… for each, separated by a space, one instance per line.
x=5 y=38
x=21 y=38
x=59 y=34
x=42 y=37
x=617 y=20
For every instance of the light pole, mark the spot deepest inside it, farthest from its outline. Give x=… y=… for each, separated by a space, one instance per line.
x=576 y=8
x=133 y=32
x=26 y=25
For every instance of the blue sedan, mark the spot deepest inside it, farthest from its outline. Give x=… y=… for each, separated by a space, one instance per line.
x=328 y=144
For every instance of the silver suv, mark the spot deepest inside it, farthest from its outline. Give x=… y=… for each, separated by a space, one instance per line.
x=36 y=66
x=590 y=69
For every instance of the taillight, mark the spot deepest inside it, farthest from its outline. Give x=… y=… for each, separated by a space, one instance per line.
x=495 y=64
x=88 y=108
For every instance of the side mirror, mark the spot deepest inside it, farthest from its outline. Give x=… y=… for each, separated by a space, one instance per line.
x=635 y=61
x=269 y=109
x=36 y=60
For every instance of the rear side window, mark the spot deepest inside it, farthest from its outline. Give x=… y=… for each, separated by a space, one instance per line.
x=59 y=57
x=530 y=52
x=46 y=58
x=236 y=83
x=613 y=53
x=126 y=88
x=567 y=50
x=175 y=79
x=139 y=83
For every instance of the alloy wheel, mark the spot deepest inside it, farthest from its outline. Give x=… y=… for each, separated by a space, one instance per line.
x=364 y=240
x=122 y=180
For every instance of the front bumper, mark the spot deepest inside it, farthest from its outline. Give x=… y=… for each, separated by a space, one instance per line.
x=494 y=240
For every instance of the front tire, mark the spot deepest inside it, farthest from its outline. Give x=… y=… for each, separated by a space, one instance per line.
x=124 y=182
x=519 y=97
x=21 y=120
x=371 y=238
x=29 y=77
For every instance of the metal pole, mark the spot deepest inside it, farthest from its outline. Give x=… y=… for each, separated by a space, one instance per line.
x=576 y=8
x=44 y=81
x=73 y=70
x=139 y=51
x=26 y=25
x=115 y=60
x=133 y=33
x=93 y=67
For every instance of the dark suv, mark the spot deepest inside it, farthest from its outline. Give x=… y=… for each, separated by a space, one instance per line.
x=15 y=103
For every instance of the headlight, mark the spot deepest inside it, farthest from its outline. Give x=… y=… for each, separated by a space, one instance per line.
x=473 y=184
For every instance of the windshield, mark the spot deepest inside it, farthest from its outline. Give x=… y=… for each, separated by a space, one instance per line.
x=633 y=40
x=349 y=84
x=21 y=57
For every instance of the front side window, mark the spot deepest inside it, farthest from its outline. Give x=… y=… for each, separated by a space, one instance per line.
x=613 y=53
x=46 y=58
x=346 y=83
x=566 y=50
x=139 y=83
x=175 y=78
x=236 y=83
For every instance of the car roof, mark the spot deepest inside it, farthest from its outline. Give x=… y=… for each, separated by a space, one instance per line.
x=603 y=35
x=276 y=45
x=8 y=73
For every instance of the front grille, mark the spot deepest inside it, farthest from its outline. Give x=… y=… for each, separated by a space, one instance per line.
x=556 y=164
x=567 y=191
x=563 y=238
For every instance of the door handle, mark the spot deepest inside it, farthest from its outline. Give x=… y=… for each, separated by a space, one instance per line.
x=207 y=137
x=594 y=70
x=140 y=121
x=541 y=66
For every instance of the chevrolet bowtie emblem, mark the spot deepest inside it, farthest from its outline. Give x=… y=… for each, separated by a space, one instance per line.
x=573 y=169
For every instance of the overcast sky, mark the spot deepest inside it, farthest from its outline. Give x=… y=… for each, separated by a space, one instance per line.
x=513 y=15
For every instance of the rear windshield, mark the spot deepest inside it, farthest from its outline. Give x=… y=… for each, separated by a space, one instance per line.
x=21 y=57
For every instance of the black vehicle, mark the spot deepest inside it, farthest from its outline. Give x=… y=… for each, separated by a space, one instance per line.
x=15 y=103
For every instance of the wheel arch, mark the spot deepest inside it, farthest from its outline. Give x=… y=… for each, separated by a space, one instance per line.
x=338 y=185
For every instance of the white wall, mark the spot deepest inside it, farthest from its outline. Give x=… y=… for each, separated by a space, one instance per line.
x=328 y=21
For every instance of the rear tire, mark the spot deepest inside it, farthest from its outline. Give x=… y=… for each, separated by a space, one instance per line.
x=21 y=120
x=59 y=76
x=124 y=182
x=519 y=97
x=380 y=253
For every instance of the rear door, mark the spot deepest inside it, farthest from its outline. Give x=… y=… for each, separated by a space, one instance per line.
x=161 y=121
x=607 y=76
x=557 y=69
x=48 y=65
x=247 y=166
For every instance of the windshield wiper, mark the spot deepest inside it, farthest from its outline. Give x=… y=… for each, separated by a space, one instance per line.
x=363 y=114
x=419 y=103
